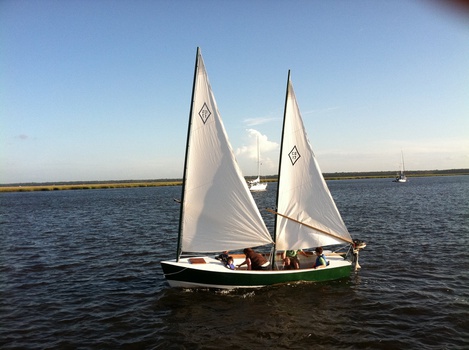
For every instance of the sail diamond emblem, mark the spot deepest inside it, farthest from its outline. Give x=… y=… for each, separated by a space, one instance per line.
x=204 y=113
x=294 y=155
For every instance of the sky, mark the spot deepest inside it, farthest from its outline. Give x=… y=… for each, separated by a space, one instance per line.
x=100 y=90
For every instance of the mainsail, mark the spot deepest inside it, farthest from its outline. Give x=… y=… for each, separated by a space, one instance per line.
x=218 y=211
x=304 y=200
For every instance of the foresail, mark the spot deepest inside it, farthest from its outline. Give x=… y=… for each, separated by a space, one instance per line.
x=303 y=193
x=256 y=180
x=219 y=212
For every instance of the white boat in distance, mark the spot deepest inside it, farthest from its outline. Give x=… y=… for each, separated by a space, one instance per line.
x=218 y=212
x=400 y=177
x=256 y=185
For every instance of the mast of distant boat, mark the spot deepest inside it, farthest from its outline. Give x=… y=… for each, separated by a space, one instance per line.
x=403 y=167
x=258 y=160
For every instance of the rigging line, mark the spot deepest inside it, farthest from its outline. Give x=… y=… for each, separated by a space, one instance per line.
x=312 y=227
x=175 y=273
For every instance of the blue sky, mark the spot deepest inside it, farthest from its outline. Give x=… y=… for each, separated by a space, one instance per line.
x=100 y=90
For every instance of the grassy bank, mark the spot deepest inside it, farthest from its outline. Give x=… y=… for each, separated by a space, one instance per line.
x=175 y=182
x=89 y=186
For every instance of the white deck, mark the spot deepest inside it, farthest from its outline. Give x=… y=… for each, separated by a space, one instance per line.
x=212 y=264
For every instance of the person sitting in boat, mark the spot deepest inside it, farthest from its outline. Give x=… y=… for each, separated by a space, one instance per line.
x=290 y=259
x=226 y=260
x=255 y=261
x=230 y=263
x=320 y=260
x=223 y=257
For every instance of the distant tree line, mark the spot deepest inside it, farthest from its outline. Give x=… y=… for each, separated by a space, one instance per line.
x=393 y=173
x=62 y=183
x=337 y=175
x=380 y=174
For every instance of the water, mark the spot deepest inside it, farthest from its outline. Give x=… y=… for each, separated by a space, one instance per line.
x=80 y=269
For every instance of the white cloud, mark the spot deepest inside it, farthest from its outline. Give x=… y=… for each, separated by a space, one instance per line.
x=247 y=154
x=258 y=121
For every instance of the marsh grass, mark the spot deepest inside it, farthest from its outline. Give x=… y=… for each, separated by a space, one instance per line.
x=176 y=182
x=98 y=186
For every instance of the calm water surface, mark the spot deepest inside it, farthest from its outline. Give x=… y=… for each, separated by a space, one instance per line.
x=80 y=270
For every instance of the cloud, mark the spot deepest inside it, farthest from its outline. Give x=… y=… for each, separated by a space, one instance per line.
x=258 y=121
x=247 y=154
x=250 y=150
x=22 y=137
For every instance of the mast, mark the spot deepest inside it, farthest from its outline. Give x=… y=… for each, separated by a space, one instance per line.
x=403 y=167
x=258 y=160
x=280 y=167
x=181 y=212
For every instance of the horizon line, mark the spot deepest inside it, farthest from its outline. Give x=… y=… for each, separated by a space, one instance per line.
x=458 y=171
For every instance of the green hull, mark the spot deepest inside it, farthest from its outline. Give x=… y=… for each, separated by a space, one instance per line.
x=188 y=277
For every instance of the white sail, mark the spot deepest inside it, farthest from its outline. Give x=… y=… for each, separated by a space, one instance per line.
x=303 y=193
x=218 y=210
x=256 y=180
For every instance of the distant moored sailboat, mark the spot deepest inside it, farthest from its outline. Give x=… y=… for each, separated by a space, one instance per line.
x=256 y=185
x=401 y=174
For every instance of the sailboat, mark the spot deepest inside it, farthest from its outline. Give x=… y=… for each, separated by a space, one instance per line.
x=256 y=185
x=218 y=212
x=400 y=177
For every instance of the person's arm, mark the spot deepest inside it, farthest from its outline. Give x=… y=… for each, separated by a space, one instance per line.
x=303 y=253
x=243 y=263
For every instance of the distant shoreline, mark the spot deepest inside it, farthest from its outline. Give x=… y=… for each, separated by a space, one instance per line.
x=86 y=186
x=92 y=185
